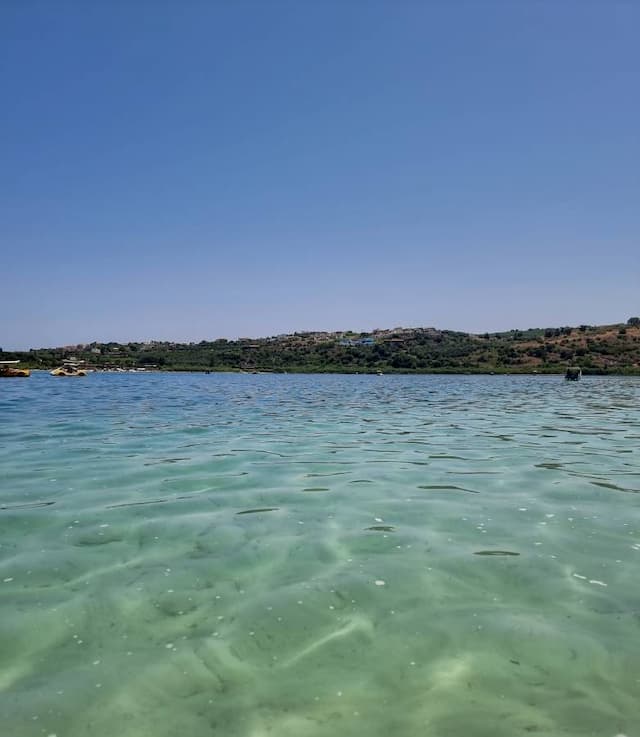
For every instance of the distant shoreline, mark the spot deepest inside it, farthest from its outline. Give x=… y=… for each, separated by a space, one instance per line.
x=598 y=350
x=350 y=373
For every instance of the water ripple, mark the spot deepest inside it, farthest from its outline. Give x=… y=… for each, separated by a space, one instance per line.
x=247 y=555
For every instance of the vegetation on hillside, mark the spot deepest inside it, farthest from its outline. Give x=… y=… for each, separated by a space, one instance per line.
x=602 y=349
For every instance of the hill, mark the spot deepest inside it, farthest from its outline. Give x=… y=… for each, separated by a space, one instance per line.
x=604 y=349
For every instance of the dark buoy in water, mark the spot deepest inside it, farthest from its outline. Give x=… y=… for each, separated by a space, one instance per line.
x=573 y=373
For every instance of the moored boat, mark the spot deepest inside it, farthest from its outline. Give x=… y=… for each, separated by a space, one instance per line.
x=10 y=369
x=573 y=373
x=69 y=368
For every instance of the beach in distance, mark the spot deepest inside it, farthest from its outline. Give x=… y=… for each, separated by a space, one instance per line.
x=306 y=555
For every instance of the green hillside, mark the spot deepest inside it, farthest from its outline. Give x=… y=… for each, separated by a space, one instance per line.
x=600 y=349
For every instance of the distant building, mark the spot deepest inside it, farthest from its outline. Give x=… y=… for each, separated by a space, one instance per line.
x=357 y=341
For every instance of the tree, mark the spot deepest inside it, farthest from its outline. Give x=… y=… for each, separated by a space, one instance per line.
x=633 y=321
x=403 y=361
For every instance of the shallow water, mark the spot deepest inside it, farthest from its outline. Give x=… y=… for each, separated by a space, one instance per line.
x=252 y=555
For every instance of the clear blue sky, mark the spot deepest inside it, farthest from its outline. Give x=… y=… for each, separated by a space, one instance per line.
x=188 y=170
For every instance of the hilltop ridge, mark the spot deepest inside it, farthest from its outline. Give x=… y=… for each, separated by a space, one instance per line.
x=598 y=349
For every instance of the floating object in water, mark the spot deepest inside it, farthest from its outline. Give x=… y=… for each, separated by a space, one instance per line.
x=69 y=368
x=573 y=373
x=9 y=369
x=382 y=528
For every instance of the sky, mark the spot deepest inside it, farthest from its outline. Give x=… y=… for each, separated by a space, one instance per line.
x=190 y=170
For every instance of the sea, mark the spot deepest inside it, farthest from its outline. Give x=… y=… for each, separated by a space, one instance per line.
x=261 y=555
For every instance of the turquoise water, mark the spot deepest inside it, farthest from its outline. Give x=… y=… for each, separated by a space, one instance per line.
x=253 y=555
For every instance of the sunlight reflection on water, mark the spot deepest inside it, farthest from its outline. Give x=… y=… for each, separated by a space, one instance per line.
x=318 y=555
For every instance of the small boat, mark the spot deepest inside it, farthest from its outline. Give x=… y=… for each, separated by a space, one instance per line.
x=573 y=373
x=10 y=369
x=69 y=368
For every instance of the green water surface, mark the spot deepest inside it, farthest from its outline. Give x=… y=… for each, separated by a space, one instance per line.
x=253 y=555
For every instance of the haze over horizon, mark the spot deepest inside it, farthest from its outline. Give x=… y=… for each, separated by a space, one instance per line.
x=187 y=172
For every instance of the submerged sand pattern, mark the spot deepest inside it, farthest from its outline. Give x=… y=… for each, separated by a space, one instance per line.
x=252 y=555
